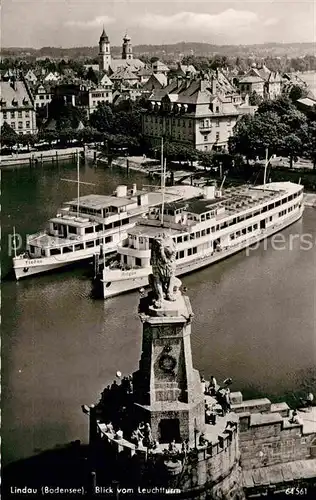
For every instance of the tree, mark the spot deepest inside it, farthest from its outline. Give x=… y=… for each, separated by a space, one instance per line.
x=277 y=125
x=8 y=136
x=206 y=159
x=255 y=99
x=310 y=145
x=297 y=92
x=66 y=115
x=102 y=118
x=292 y=147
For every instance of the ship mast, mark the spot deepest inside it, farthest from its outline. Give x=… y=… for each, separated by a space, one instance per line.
x=163 y=168
x=78 y=183
x=14 y=241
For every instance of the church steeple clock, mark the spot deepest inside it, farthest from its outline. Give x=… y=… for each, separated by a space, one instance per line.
x=127 y=50
x=104 y=52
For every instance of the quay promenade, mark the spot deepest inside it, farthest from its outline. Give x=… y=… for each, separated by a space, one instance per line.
x=35 y=157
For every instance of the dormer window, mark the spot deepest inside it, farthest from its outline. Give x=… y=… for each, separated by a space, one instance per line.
x=217 y=109
x=14 y=102
x=25 y=102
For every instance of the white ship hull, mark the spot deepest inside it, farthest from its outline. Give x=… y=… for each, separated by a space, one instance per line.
x=25 y=266
x=116 y=282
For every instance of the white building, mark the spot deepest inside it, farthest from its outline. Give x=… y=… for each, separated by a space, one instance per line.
x=17 y=107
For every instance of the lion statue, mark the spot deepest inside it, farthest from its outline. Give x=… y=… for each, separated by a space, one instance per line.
x=163 y=262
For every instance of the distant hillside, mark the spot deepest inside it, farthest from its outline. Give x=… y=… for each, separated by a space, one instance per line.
x=186 y=48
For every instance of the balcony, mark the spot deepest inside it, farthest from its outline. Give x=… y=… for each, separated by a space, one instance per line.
x=205 y=127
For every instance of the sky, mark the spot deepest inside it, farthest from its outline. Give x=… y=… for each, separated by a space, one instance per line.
x=73 y=23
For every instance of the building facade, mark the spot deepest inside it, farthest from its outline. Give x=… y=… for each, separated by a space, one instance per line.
x=192 y=112
x=267 y=84
x=42 y=95
x=17 y=107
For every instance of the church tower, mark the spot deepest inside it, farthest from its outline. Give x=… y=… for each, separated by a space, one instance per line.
x=104 y=52
x=127 y=50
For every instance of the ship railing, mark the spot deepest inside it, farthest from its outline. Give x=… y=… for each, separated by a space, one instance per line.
x=36 y=235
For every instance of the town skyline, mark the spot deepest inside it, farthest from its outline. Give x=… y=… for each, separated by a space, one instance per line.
x=156 y=23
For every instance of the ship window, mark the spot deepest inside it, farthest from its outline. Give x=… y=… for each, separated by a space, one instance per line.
x=202 y=217
x=125 y=259
x=97 y=241
x=179 y=239
x=271 y=206
x=181 y=254
x=88 y=230
x=198 y=234
x=55 y=251
x=125 y=221
x=244 y=231
x=67 y=249
x=208 y=215
x=208 y=230
x=255 y=226
x=278 y=203
x=185 y=237
x=117 y=223
x=98 y=228
x=108 y=239
x=138 y=261
x=194 y=249
x=72 y=230
x=217 y=227
x=264 y=209
x=232 y=236
x=192 y=236
x=249 y=229
x=79 y=246
x=189 y=251
x=203 y=232
x=107 y=226
x=55 y=227
x=237 y=234
x=89 y=244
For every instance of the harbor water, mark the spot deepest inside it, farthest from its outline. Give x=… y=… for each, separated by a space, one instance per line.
x=255 y=319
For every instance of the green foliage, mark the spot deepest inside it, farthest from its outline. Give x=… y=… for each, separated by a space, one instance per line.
x=255 y=99
x=277 y=125
x=8 y=136
x=297 y=92
x=102 y=119
x=66 y=115
x=120 y=124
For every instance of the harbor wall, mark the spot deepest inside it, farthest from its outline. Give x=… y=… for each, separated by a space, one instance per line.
x=213 y=469
x=272 y=442
x=35 y=157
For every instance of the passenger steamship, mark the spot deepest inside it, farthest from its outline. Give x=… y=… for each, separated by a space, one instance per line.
x=206 y=229
x=90 y=225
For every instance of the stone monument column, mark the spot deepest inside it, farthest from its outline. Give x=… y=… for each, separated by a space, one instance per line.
x=168 y=391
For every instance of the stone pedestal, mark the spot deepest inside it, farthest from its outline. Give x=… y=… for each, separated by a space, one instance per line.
x=167 y=388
